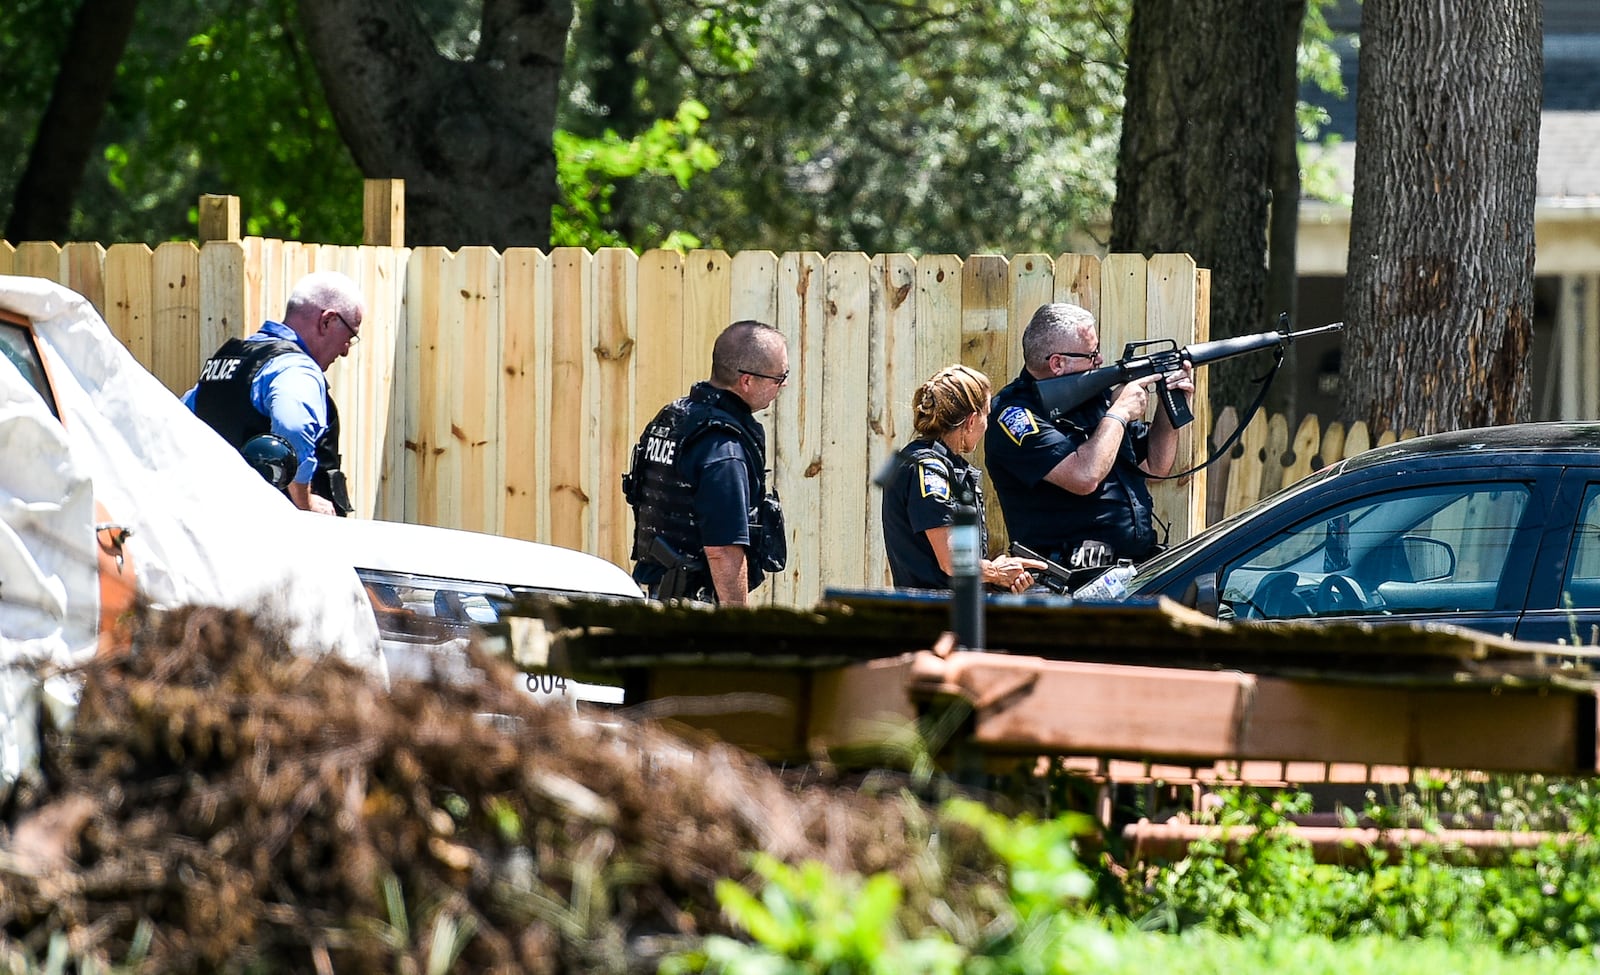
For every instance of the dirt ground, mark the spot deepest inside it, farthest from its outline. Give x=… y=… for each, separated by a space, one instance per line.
x=222 y=804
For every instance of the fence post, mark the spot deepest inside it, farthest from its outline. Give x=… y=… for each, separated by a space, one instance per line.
x=383 y=213
x=222 y=270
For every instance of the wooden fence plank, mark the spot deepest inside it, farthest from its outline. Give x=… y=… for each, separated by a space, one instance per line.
x=611 y=404
x=571 y=448
x=938 y=311
x=986 y=342
x=1307 y=439
x=1078 y=281
x=85 y=268
x=846 y=328
x=753 y=287
x=8 y=257
x=130 y=307
x=891 y=382
x=373 y=447
x=175 y=343
x=40 y=259
x=1244 y=477
x=222 y=314
x=425 y=294
x=529 y=400
x=663 y=371
x=1220 y=472
x=1170 y=298
x=797 y=447
x=1277 y=446
x=707 y=310
x=1356 y=439
x=1124 y=295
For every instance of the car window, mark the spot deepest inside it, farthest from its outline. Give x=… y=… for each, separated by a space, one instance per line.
x=16 y=344
x=1432 y=550
x=1581 y=587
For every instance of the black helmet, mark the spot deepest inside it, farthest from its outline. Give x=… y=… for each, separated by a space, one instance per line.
x=272 y=457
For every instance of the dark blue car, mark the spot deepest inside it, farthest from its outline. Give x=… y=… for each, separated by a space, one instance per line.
x=1496 y=529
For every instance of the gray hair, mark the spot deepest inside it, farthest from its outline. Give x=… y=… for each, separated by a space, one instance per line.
x=322 y=291
x=1050 y=326
x=747 y=346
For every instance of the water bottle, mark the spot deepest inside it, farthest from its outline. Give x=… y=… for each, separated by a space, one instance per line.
x=1110 y=586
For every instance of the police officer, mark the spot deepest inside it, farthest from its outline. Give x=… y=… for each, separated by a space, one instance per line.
x=275 y=382
x=706 y=526
x=1082 y=478
x=949 y=414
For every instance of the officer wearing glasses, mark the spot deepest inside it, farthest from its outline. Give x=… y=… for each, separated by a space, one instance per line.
x=1077 y=487
x=705 y=526
x=275 y=382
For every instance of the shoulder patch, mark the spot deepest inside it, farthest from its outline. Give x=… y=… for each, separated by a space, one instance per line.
x=1019 y=423
x=933 y=479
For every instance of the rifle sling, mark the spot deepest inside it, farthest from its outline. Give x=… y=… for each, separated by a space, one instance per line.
x=1233 y=438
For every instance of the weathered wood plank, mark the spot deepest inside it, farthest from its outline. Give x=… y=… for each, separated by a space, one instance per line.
x=797 y=447
x=525 y=292
x=611 y=403
x=175 y=288
x=571 y=446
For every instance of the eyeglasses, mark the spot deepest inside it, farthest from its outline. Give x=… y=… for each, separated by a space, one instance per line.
x=1080 y=355
x=780 y=379
x=355 y=336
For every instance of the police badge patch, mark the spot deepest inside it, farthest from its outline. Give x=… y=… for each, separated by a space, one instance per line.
x=935 y=482
x=1019 y=423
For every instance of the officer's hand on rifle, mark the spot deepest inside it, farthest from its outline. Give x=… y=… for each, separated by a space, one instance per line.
x=1132 y=401
x=1181 y=382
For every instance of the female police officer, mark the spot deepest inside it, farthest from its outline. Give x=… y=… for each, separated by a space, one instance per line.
x=950 y=413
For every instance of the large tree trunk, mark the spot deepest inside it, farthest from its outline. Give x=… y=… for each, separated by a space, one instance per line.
x=1192 y=173
x=42 y=206
x=1283 y=274
x=1439 y=293
x=472 y=139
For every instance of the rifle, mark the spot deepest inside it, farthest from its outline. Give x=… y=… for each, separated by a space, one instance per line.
x=1062 y=394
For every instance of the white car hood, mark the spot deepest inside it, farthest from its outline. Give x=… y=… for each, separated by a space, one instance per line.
x=446 y=553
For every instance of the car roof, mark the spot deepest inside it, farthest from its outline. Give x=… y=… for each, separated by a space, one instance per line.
x=1546 y=437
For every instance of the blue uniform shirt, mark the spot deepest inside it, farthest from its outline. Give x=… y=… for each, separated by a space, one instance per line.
x=1022 y=446
x=292 y=391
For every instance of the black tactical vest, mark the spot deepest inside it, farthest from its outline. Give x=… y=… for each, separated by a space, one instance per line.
x=222 y=399
x=661 y=496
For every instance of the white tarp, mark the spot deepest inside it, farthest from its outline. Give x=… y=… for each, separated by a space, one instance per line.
x=206 y=529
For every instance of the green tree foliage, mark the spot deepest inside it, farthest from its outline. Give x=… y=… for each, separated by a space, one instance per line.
x=216 y=96
x=953 y=126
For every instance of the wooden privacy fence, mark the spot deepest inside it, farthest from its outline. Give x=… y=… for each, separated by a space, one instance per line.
x=1267 y=457
x=502 y=391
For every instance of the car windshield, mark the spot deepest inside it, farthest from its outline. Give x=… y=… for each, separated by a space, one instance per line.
x=1154 y=566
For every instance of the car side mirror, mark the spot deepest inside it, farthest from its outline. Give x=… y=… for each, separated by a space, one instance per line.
x=1428 y=559
x=1202 y=594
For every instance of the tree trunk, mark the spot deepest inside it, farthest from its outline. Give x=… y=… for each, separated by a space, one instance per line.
x=1196 y=154
x=1439 y=292
x=42 y=206
x=1282 y=272
x=472 y=139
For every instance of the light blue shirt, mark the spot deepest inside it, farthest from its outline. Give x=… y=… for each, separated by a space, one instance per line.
x=291 y=391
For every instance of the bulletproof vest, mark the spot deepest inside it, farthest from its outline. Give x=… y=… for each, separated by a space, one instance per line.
x=661 y=496
x=222 y=399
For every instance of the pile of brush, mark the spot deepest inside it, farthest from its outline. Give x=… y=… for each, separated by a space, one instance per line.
x=223 y=803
